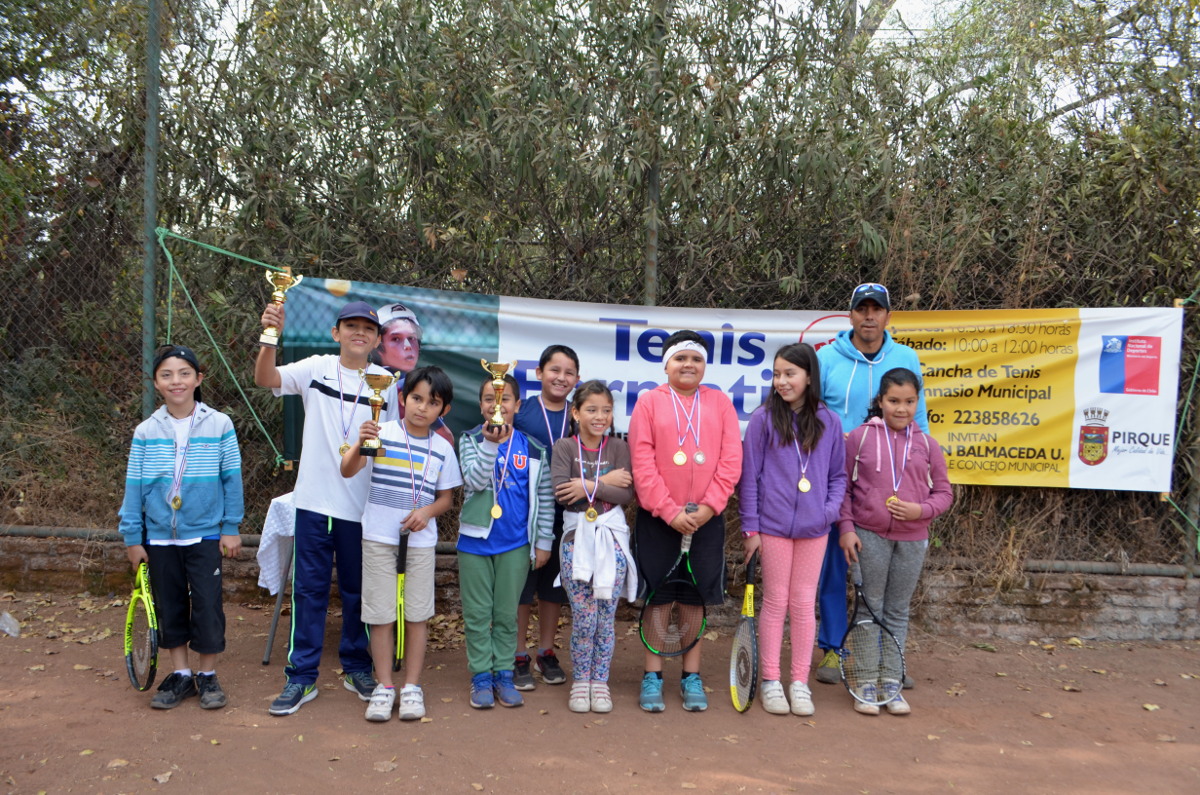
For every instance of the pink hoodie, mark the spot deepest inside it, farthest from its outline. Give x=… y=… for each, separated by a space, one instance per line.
x=869 y=467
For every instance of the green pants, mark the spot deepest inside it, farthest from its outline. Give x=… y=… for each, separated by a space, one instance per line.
x=490 y=586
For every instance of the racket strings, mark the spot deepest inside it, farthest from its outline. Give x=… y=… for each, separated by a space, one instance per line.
x=745 y=666
x=671 y=627
x=871 y=659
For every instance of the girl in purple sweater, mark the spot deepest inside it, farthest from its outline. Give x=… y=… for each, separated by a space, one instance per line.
x=898 y=484
x=793 y=481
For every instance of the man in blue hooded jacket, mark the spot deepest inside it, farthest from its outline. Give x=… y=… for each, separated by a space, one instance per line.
x=851 y=367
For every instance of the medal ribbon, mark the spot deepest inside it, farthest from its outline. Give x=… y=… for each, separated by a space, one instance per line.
x=550 y=430
x=503 y=473
x=412 y=473
x=892 y=456
x=803 y=461
x=694 y=427
x=591 y=495
x=177 y=481
x=342 y=405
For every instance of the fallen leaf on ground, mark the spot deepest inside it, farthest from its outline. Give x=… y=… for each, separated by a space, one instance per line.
x=688 y=785
x=957 y=689
x=1046 y=715
x=477 y=787
x=426 y=720
x=1166 y=738
x=86 y=752
x=1150 y=707
x=117 y=763
x=711 y=635
x=80 y=667
x=163 y=778
x=385 y=766
x=1099 y=671
x=1001 y=673
x=932 y=737
x=984 y=646
x=1071 y=688
x=1160 y=683
x=447 y=700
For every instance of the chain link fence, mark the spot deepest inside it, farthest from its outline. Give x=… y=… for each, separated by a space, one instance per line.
x=460 y=151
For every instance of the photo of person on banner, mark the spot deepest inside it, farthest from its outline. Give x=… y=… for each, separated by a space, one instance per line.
x=400 y=347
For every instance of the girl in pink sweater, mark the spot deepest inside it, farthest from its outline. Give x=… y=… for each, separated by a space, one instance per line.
x=898 y=484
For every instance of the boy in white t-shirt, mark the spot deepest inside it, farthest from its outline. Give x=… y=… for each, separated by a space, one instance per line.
x=328 y=506
x=412 y=483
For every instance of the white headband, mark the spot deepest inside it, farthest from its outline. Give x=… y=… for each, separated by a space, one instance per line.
x=679 y=347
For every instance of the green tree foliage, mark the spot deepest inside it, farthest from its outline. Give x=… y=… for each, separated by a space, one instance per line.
x=1013 y=153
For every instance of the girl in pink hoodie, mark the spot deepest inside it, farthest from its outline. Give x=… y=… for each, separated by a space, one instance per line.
x=898 y=484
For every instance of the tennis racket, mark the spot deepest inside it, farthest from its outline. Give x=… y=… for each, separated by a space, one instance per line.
x=401 y=567
x=673 y=617
x=141 y=632
x=743 y=660
x=871 y=660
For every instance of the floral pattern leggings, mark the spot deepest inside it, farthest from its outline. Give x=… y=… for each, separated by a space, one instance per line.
x=593 y=632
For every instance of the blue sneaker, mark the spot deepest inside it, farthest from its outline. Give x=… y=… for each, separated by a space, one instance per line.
x=294 y=696
x=506 y=693
x=360 y=683
x=651 y=699
x=694 y=699
x=481 y=691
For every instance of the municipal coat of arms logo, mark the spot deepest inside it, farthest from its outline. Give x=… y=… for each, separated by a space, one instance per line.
x=1093 y=436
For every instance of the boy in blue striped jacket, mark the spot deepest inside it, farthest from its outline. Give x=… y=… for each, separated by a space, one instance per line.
x=182 y=508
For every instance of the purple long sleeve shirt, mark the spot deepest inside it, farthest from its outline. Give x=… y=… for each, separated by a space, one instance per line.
x=769 y=496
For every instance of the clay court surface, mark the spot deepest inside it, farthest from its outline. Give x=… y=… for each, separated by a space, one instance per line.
x=1044 y=718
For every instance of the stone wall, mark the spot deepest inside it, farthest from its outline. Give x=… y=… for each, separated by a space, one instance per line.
x=949 y=602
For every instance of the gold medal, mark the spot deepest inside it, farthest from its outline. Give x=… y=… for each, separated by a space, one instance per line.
x=497 y=511
x=892 y=499
x=804 y=485
x=590 y=514
x=342 y=450
x=177 y=502
x=699 y=457
x=680 y=458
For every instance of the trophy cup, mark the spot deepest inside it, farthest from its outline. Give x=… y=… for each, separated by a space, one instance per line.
x=377 y=382
x=497 y=371
x=282 y=281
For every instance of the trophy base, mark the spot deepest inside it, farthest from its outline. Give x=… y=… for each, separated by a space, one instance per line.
x=268 y=340
x=370 y=452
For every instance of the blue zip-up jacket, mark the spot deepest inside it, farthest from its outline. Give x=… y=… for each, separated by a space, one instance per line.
x=849 y=380
x=211 y=487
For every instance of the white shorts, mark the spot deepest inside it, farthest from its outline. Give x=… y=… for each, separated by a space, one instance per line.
x=379 y=583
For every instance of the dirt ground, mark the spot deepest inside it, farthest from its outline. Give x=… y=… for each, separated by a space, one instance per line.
x=1041 y=718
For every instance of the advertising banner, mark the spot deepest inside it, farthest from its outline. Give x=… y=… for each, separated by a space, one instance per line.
x=1072 y=398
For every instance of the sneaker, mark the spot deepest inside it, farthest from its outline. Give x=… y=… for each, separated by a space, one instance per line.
x=294 y=696
x=412 y=703
x=211 y=694
x=651 y=699
x=522 y=676
x=909 y=684
x=772 y=697
x=869 y=693
x=896 y=704
x=551 y=672
x=481 y=691
x=601 y=698
x=361 y=683
x=580 y=699
x=801 y=698
x=174 y=689
x=379 y=709
x=829 y=672
x=506 y=694
x=694 y=699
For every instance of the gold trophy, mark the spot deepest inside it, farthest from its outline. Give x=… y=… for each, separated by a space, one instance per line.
x=377 y=382
x=497 y=371
x=282 y=281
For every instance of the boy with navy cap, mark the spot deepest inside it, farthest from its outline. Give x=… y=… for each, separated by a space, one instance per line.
x=328 y=506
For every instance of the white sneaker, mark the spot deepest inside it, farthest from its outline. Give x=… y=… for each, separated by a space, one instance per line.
x=601 y=698
x=801 y=698
x=379 y=708
x=580 y=699
x=897 y=705
x=869 y=694
x=412 y=703
x=773 y=700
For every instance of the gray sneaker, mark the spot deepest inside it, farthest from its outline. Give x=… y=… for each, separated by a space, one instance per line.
x=522 y=675
x=294 y=696
x=211 y=694
x=173 y=691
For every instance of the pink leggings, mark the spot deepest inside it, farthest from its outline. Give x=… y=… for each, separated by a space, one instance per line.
x=791 y=568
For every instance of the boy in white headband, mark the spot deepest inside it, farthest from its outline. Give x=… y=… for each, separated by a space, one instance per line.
x=687 y=457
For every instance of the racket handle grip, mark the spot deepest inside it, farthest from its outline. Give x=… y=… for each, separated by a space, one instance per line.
x=686 y=544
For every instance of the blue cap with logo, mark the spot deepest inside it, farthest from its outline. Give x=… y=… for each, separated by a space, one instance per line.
x=870 y=291
x=359 y=309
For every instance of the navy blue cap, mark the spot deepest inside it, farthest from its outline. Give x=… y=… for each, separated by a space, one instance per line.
x=176 y=351
x=359 y=309
x=871 y=291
